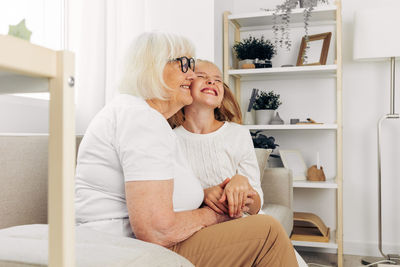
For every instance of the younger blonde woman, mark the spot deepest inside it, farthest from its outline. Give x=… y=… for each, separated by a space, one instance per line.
x=219 y=149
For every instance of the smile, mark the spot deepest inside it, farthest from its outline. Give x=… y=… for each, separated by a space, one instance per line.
x=209 y=91
x=185 y=86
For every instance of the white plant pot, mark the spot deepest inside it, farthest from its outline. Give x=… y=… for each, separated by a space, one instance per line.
x=247 y=62
x=264 y=116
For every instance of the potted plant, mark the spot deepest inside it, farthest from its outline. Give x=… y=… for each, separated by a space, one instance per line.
x=283 y=12
x=251 y=49
x=265 y=105
x=263 y=146
x=262 y=141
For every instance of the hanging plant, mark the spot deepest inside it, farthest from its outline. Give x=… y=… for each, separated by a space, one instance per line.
x=283 y=12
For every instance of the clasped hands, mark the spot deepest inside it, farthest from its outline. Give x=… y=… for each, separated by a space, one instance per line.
x=232 y=197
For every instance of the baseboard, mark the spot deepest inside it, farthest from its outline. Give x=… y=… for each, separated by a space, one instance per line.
x=368 y=248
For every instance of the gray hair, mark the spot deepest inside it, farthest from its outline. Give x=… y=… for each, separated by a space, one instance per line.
x=148 y=55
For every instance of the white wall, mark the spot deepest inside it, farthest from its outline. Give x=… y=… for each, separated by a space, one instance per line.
x=191 y=18
x=365 y=100
x=220 y=6
x=200 y=21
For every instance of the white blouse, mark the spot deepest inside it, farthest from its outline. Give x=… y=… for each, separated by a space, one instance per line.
x=221 y=154
x=128 y=141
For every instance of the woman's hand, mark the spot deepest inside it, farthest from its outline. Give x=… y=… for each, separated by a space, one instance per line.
x=212 y=195
x=237 y=192
x=218 y=217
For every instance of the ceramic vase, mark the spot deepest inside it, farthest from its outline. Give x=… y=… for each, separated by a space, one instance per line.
x=264 y=116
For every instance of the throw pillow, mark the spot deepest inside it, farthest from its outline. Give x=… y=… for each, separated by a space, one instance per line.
x=262 y=159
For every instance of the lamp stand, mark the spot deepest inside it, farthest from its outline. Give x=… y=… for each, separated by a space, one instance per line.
x=387 y=258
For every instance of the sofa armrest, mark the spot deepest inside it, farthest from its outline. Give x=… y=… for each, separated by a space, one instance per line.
x=277 y=186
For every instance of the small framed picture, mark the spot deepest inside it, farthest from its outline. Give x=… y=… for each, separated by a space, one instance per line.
x=314 y=51
x=293 y=160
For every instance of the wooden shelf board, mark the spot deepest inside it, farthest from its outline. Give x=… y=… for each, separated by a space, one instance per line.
x=22 y=57
x=323 y=13
x=331 y=183
x=331 y=244
x=301 y=71
x=326 y=126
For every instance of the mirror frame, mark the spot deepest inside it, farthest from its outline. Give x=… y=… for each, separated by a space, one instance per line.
x=324 y=51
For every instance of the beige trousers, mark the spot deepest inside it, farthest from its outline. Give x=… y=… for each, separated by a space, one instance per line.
x=257 y=240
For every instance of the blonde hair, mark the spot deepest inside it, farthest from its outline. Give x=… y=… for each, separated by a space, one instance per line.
x=228 y=111
x=147 y=57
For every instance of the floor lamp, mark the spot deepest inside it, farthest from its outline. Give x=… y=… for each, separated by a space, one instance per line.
x=376 y=37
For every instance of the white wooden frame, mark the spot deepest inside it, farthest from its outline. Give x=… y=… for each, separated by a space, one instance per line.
x=21 y=57
x=293 y=160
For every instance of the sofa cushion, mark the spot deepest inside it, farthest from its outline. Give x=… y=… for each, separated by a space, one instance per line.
x=27 y=244
x=23 y=165
x=23 y=179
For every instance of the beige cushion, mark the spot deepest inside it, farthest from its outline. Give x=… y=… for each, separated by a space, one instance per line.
x=23 y=179
x=27 y=244
x=262 y=159
x=278 y=196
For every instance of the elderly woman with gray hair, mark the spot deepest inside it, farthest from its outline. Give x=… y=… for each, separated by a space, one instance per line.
x=133 y=180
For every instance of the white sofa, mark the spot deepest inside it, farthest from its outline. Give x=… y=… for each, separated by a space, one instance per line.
x=23 y=203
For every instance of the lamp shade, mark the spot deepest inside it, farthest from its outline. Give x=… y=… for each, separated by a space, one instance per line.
x=376 y=34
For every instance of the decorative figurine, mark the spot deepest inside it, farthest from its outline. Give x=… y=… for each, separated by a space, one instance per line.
x=276 y=120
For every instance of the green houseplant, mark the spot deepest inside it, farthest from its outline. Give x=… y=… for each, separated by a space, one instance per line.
x=281 y=19
x=263 y=146
x=262 y=141
x=265 y=105
x=253 y=48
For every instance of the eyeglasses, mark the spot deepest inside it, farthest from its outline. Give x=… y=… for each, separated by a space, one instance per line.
x=186 y=63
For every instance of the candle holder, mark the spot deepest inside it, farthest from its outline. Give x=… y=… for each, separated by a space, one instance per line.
x=315 y=174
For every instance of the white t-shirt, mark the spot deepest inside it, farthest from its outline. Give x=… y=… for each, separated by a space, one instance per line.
x=128 y=141
x=221 y=154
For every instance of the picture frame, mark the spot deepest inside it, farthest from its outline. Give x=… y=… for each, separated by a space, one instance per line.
x=318 y=42
x=293 y=161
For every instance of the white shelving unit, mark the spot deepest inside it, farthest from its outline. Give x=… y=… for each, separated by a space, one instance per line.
x=328 y=184
x=263 y=20
x=330 y=245
x=252 y=74
x=293 y=127
x=27 y=68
